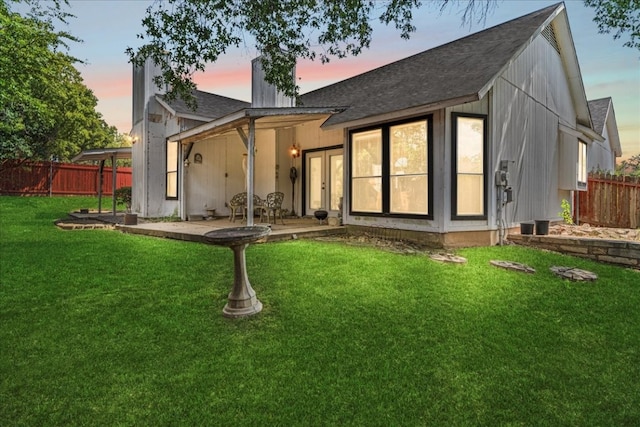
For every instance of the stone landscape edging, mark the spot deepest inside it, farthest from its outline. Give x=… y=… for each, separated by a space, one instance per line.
x=619 y=252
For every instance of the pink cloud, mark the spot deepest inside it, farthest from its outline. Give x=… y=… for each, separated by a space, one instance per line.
x=108 y=84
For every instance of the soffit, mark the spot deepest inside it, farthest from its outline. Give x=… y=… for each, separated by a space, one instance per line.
x=263 y=118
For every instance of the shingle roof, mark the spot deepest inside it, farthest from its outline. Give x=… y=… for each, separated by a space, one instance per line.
x=599 y=109
x=210 y=105
x=455 y=70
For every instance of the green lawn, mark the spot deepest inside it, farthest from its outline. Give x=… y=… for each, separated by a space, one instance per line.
x=104 y=328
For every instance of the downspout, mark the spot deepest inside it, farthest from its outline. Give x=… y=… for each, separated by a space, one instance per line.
x=500 y=214
x=185 y=152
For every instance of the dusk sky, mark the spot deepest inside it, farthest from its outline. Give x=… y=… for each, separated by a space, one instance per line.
x=109 y=27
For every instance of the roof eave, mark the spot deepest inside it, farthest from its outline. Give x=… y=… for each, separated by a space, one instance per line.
x=165 y=105
x=612 y=131
x=404 y=113
x=572 y=68
x=103 y=154
x=176 y=113
x=587 y=131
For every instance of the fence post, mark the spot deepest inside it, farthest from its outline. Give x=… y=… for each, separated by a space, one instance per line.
x=51 y=177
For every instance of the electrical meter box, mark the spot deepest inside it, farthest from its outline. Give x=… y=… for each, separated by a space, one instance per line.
x=502 y=178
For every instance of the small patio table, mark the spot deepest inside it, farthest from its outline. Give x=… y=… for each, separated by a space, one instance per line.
x=242 y=300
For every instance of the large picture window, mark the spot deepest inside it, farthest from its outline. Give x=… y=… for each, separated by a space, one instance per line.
x=366 y=171
x=409 y=168
x=469 y=184
x=172 y=170
x=390 y=169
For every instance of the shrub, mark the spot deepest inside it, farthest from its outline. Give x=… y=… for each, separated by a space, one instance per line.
x=123 y=195
x=566 y=212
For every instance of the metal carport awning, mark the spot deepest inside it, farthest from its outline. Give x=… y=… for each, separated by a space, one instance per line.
x=253 y=119
x=102 y=154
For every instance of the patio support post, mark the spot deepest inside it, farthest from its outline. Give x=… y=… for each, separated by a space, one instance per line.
x=251 y=142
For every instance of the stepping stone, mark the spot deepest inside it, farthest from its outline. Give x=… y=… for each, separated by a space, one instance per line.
x=511 y=265
x=448 y=258
x=575 y=274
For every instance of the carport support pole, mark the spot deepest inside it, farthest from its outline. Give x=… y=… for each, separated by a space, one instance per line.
x=251 y=142
x=113 y=181
x=100 y=178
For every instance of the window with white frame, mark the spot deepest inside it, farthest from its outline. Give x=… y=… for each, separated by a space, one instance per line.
x=390 y=169
x=582 y=164
x=469 y=166
x=172 y=170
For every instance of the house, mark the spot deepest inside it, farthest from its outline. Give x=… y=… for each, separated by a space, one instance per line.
x=453 y=146
x=601 y=155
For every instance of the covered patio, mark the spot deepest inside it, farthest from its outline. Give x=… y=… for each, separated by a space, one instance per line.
x=206 y=188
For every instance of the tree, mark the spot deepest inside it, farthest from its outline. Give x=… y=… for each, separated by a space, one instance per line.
x=182 y=36
x=630 y=166
x=622 y=16
x=45 y=108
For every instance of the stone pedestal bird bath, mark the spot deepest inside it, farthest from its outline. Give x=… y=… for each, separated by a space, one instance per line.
x=242 y=299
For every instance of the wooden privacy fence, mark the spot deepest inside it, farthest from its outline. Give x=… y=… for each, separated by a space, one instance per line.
x=52 y=178
x=610 y=201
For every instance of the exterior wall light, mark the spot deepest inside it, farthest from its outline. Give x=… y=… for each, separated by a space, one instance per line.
x=294 y=151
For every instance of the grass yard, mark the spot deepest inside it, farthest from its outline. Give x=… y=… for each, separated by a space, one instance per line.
x=103 y=328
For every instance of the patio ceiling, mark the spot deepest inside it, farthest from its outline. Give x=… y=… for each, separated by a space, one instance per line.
x=263 y=118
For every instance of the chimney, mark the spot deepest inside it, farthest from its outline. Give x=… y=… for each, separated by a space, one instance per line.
x=265 y=94
x=144 y=87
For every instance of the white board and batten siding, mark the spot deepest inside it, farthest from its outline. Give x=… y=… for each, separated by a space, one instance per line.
x=601 y=156
x=530 y=100
x=212 y=183
x=310 y=135
x=151 y=123
x=149 y=183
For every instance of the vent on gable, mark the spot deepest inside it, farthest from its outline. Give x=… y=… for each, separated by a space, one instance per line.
x=550 y=35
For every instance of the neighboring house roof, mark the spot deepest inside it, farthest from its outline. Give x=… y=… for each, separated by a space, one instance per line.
x=602 y=114
x=458 y=72
x=209 y=106
x=599 y=109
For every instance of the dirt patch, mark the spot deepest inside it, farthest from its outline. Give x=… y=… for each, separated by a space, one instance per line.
x=395 y=246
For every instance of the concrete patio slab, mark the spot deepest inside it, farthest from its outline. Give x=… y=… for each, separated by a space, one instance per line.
x=194 y=231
